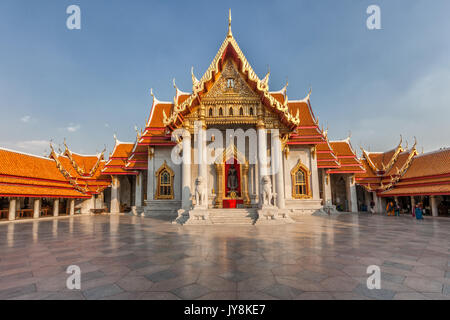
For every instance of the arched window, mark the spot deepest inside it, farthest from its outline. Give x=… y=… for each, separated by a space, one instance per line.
x=230 y=111
x=210 y=112
x=220 y=112
x=164 y=177
x=251 y=111
x=241 y=111
x=300 y=182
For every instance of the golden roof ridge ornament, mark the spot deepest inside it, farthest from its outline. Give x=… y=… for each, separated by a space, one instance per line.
x=229 y=34
x=194 y=79
x=265 y=80
x=309 y=93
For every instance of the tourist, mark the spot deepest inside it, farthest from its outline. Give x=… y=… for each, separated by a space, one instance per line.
x=390 y=209
x=372 y=207
x=397 y=209
x=419 y=212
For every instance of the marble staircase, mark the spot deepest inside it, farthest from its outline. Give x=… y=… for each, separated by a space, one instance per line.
x=233 y=216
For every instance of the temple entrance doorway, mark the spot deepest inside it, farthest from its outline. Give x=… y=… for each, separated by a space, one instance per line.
x=233 y=194
x=232 y=179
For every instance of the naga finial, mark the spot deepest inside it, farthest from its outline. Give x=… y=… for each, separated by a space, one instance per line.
x=309 y=93
x=194 y=78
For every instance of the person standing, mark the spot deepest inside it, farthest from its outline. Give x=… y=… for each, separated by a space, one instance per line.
x=372 y=207
x=419 y=212
x=397 y=209
x=390 y=209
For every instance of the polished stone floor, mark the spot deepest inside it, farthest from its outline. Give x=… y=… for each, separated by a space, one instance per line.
x=124 y=257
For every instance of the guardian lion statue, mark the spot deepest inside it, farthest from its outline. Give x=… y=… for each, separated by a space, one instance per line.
x=267 y=195
x=200 y=192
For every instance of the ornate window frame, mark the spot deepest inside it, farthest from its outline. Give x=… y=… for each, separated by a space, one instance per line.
x=158 y=173
x=307 y=173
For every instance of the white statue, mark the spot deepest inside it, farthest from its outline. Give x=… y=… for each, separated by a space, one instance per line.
x=200 y=192
x=267 y=195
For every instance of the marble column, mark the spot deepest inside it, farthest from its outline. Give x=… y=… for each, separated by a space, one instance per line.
x=36 y=208
x=72 y=207
x=56 y=207
x=202 y=159
x=12 y=209
x=434 y=206
x=262 y=159
x=186 y=171
x=314 y=179
x=326 y=185
x=277 y=168
x=138 y=189
x=115 y=194
x=151 y=174
x=351 y=193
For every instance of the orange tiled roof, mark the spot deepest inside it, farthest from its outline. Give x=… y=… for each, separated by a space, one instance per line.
x=441 y=189
x=348 y=160
x=25 y=175
x=394 y=164
x=382 y=162
x=118 y=159
x=428 y=174
x=430 y=164
x=82 y=171
x=325 y=155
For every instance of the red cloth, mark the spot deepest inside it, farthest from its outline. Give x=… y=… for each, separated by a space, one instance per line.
x=231 y=203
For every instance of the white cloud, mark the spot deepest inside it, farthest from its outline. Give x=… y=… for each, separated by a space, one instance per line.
x=37 y=147
x=25 y=119
x=73 y=127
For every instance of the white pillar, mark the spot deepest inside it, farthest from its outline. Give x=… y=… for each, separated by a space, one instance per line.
x=262 y=159
x=72 y=207
x=36 y=208
x=12 y=209
x=138 y=189
x=351 y=193
x=186 y=171
x=151 y=174
x=314 y=175
x=277 y=168
x=434 y=207
x=202 y=158
x=56 y=207
x=383 y=203
x=115 y=193
x=326 y=185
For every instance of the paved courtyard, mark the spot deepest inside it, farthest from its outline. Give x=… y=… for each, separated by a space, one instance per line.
x=124 y=257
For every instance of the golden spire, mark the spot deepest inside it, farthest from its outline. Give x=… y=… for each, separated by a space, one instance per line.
x=229 y=24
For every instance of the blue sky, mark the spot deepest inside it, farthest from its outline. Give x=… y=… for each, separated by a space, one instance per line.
x=85 y=85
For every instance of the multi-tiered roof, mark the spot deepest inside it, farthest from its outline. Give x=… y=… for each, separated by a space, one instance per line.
x=61 y=175
x=384 y=169
x=296 y=115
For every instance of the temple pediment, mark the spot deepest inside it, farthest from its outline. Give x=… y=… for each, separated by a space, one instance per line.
x=230 y=87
